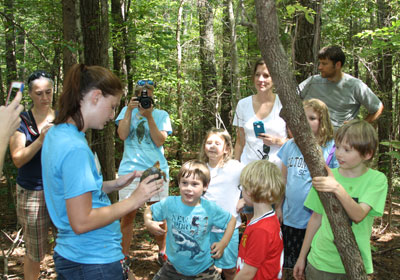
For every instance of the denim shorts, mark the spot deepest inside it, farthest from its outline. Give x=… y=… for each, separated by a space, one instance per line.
x=69 y=270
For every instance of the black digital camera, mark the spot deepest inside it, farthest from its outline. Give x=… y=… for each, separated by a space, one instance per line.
x=145 y=100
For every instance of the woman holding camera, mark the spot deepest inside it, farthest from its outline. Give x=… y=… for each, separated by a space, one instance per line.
x=144 y=130
x=25 y=148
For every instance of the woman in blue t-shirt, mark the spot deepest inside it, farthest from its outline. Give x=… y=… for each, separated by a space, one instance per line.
x=25 y=148
x=88 y=244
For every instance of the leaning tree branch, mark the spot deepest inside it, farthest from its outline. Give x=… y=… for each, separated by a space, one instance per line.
x=293 y=113
x=28 y=38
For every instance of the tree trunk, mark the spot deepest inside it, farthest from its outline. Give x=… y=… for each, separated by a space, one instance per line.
x=179 y=93
x=94 y=16
x=208 y=68
x=293 y=113
x=385 y=83
x=70 y=30
x=306 y=35
x=11 y=61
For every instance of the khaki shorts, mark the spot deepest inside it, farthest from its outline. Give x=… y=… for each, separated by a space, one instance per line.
x=35 y=221
x=314 y=274
x=168 y=272
x=126 y=192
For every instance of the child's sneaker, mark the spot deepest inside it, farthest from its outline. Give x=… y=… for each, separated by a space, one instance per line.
x=162 y=258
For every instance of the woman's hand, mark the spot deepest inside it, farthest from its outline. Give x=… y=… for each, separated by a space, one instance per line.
x=133 y=103
x=270 y=140
x=147 y=189
x=147 y=113
x=240 y=205
x=43 y=132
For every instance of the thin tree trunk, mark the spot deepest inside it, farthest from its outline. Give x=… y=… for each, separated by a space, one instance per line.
x=293 y=113
x=94 y=16
x=207 y=62
x=179 y=94
x=69 y=31
x=11 y=61
x=385 y=83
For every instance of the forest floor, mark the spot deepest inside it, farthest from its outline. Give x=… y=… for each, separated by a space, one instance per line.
x=385 y=246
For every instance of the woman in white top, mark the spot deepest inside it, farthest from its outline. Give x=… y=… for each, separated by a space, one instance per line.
x=264 y=106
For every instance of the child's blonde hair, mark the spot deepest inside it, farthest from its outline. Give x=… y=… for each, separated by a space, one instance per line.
x=197 y=168
x=325 y=129
x=228 y=144
x=359 y=135
x=263 y=181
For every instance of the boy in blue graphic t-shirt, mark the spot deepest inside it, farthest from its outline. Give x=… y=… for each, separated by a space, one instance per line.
x=190 y=219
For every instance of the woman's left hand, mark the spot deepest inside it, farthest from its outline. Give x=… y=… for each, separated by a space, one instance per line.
x=146 y=112
x=268 y=139
x=126 y=179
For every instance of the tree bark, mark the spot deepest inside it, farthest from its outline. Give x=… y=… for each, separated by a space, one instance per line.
x=207 y=62
x=94 y=16
x=306 y=35
x=385 y=83
x=11 y=61
x=179 y=93
x=293 y=113
x=70 y=31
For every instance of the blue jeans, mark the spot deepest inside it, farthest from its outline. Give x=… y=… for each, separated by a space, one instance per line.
x=68 y=270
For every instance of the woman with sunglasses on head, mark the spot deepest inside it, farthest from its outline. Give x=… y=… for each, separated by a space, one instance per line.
x=25 y=148
x=88 y=244
x=260 y=110
x=144 y=130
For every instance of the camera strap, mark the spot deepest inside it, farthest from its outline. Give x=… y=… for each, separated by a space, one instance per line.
x=29 y=120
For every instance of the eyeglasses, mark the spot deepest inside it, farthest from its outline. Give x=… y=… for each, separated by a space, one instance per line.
x=264 y=154
x=143 y=82
x=38 y=74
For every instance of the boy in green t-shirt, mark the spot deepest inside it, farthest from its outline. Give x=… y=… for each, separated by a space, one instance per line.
x=362 y=192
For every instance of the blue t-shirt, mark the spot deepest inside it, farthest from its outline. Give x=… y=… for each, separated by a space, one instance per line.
x=140 y=152
x=69 y=170
x=298 y=183
x=188 y=236
x=30 y=174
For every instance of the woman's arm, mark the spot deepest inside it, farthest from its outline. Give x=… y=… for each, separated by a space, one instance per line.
x=124 y=125
x=240 y=142
x=83 y=217
x=158 y=136
x=9 y=123
x=20 y=154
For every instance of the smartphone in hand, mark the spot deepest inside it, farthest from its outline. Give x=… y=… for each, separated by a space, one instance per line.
x=12 y=92
x=258 y=128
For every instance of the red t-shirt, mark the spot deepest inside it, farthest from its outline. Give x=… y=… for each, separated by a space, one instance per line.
x=262 y=247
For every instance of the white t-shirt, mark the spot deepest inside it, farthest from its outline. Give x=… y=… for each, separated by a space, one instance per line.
x=224 y=188
x=273 y=124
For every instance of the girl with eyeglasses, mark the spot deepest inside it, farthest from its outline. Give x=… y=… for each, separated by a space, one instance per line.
x=88 y=244
x=25 y=148
x=144 y=130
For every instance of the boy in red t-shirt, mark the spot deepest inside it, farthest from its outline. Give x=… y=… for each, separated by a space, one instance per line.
x=261 y=248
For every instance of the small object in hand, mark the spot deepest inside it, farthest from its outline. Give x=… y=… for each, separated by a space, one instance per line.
x=155 y=169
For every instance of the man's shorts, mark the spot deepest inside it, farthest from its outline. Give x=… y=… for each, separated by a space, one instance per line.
x=168 y=272
x=35 y=221
x=126 y=192
x=314 y=274
x=229 y=258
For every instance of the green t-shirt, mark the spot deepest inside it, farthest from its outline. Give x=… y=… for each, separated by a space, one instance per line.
x=371 y=189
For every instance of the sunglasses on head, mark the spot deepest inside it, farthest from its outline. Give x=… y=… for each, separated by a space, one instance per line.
x=143 y=82
x=38 y=74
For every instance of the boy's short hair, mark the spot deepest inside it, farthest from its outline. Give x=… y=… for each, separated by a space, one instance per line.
x=263 y=181
x=196 y=167
x=359 y=135
x=333 y=53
